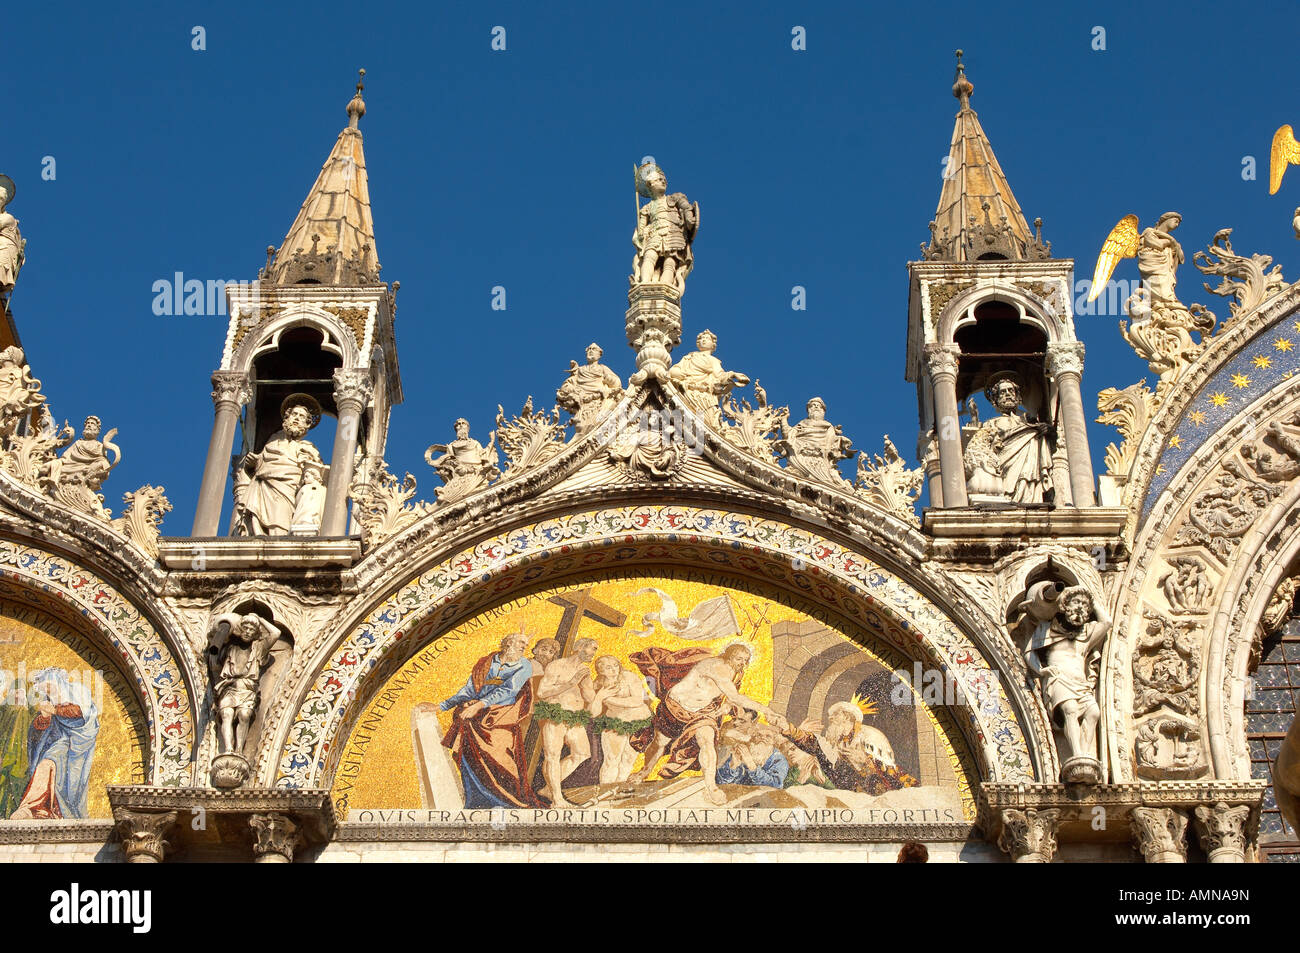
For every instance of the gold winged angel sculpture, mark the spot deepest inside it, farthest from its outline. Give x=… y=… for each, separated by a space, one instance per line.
x=1161 y=327
x=1285 y=152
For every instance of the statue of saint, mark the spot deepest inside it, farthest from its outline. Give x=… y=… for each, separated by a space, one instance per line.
x=702 y=379
x=1009 y=458
x=591 y=391
x=86 y=462
x=20 y=393
x=1063 y=654
x=465 y=465
x=281 y=489
x=813 y=447
x=11 y=241
x=665 y=229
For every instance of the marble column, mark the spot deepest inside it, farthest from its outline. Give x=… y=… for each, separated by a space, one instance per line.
x=1065 y=366
x=1160 y=834
x=942 y=360
x=351 y=393
x=1223 y=832
x=144 y=834
x=230 y=391
x=1029 y=836
x=275 y=836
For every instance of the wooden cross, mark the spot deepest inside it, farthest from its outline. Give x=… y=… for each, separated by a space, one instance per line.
x=578 y=605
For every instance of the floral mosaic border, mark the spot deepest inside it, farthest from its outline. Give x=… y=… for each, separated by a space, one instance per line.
x=506 y=561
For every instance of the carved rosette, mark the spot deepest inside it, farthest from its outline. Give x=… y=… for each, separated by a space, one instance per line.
x=352 y=389
x=1160 y=834
x=1222 y=831
x=654 y=328
x=276 y=836
x=1065 y=357
x=1029 y=836
x=231 y=388
x=144 y=834
x=942 y=360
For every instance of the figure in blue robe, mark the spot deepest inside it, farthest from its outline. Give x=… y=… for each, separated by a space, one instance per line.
x=490 y=717
x=60 y=748
x=771 y=774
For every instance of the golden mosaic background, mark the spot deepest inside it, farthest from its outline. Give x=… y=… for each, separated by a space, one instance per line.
x=31 y=641
x=377 y=768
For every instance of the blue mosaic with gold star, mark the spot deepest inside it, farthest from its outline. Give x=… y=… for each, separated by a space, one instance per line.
x=1269 y=359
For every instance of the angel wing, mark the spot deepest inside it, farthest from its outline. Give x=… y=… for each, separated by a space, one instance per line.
x=1122 y=242
x=1285 y=152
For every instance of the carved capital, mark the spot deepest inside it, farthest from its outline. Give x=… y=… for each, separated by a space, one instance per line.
x=1224 y=832
x=1029 y=836
x=1159 y=833
x=352 y=389
x=275 y=838
x=231 y=387
x=942 y=360
x=1065 y=357
x=144 y=834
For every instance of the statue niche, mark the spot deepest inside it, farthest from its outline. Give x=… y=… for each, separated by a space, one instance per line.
x=243 y=650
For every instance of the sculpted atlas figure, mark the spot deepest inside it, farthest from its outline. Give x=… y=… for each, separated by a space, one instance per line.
x=1066 y=630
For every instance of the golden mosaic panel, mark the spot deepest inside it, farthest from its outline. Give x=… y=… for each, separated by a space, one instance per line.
x=69 y=722
x=833 y=735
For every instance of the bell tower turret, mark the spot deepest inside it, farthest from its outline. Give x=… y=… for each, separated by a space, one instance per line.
x=313 y=335
x=990 y=311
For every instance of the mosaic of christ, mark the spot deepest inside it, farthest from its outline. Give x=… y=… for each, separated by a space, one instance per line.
x=654 y=691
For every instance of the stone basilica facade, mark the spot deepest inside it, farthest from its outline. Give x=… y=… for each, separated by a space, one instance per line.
x=660 y=620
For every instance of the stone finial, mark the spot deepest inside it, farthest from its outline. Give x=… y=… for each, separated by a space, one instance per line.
x=961 y=86
x=357 y=105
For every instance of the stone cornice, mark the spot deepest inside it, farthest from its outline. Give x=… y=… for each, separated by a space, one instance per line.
x=312 y=809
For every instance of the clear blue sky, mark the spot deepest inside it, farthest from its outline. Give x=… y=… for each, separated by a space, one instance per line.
x=818 y=168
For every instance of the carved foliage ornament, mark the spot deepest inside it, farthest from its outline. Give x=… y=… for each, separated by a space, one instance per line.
x=530 y=439
x=383 y=507
x=888 y=483
x=1245 y=280
x=1129 y=410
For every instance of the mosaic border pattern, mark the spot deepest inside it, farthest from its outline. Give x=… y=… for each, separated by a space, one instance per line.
x=508 y=560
